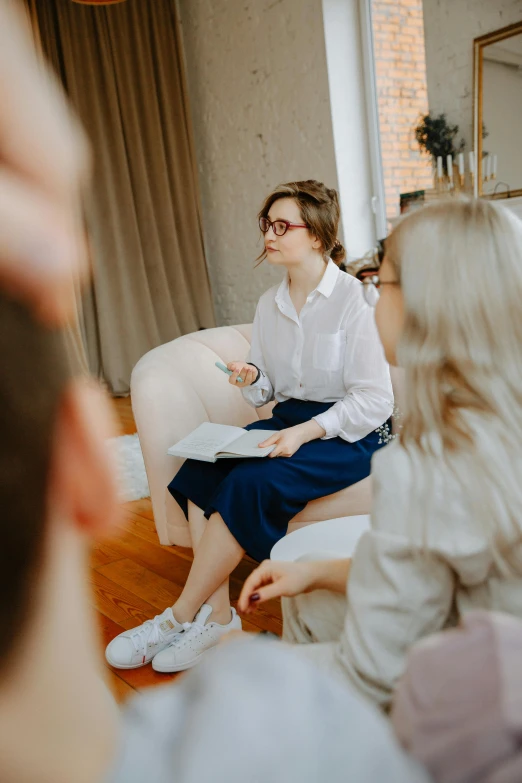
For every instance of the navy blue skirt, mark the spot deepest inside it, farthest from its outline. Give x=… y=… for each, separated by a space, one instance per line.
x=257 y=498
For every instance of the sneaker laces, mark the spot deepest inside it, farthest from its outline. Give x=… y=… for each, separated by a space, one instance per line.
x=148 y=633
x=190 y=631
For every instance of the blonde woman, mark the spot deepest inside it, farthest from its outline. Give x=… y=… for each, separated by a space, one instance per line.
x=446 y=531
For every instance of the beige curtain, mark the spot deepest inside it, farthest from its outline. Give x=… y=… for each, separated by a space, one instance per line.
x=123 y=69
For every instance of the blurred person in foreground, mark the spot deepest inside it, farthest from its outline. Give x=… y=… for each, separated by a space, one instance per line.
x=58 y=722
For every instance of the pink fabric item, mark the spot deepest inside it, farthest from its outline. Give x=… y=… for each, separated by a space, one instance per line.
x=458 y=708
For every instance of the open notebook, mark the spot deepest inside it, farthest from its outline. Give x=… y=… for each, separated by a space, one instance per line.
x=210 y=442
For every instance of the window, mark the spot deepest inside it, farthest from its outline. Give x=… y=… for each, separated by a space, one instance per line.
x=400 y=83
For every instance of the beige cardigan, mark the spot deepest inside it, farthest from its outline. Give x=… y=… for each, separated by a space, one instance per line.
x=396 y=595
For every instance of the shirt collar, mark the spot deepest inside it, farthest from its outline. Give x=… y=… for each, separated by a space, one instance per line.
x=325 y=287
x=329 y=279
x=283 y=293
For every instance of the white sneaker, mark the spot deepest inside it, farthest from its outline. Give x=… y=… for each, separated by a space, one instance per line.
x=134 y=648
x=189 y=647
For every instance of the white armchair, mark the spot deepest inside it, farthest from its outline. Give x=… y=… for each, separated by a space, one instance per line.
x=175 y=388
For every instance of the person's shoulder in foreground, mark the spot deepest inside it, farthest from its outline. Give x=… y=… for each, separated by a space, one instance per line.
x=255 y=712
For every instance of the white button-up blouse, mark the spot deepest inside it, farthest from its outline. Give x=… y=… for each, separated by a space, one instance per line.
x=330 y=352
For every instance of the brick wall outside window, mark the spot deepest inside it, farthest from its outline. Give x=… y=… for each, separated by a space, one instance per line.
x=402 y=96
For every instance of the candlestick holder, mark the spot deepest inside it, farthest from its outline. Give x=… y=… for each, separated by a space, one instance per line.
x=439 y=183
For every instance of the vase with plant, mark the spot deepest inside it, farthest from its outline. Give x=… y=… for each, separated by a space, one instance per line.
x=437 y=137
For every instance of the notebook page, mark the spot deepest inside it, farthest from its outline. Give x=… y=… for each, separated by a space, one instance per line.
x=205 y=441
x=248 y=445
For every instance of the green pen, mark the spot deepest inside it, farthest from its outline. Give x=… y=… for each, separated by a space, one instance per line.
x=225 y=369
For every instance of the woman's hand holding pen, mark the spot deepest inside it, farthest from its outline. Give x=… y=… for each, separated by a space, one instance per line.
x=242 y=370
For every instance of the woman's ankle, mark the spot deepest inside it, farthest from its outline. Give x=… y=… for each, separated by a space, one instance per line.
x=221 y=615
x=183 y=613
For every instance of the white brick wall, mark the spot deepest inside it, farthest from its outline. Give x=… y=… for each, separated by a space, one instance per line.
x=450 y=27
x=259 y=93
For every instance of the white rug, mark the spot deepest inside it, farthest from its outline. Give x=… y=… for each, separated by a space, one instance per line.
x=133 y=483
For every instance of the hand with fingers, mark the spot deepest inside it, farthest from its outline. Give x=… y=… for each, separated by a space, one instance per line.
x=290 y=440
x=247 y=373
x=44 y=164
x=274 y=579
x=286 y=442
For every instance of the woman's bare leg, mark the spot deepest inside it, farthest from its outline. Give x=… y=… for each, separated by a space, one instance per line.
x=220 y=598
x=216 y=554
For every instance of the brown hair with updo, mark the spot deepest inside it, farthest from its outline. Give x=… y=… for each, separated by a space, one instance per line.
x=319 y=208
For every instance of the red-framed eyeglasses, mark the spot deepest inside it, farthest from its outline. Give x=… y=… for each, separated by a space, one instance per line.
x=280 y=227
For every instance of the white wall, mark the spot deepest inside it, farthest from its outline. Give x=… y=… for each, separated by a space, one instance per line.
x=502 y=89
x=450 y=27
x=259 y=92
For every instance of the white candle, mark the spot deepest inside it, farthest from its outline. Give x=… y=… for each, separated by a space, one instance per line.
x=449 y=161
x=494 y=171
x=488 y=166
x=483 y=168
x=439 y=167
x=472 y=162
x=461 y=164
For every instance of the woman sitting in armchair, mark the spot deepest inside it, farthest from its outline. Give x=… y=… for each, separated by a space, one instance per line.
x=315 y=350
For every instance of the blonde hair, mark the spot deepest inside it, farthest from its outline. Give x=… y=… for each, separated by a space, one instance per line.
x=460 y=268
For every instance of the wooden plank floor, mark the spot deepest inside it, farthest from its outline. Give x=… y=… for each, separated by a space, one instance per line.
x=134 y=578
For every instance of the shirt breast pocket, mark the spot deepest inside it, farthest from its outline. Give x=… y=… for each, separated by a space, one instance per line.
x=329 y=351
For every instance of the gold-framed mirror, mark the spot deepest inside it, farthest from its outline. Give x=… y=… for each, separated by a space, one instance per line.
x=497 y=112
